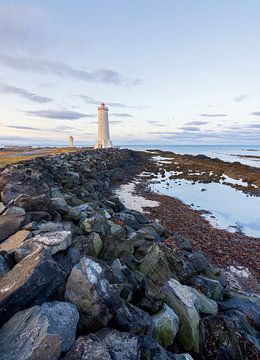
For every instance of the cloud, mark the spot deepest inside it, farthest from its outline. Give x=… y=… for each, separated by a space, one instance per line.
x=155 y=123
x=254 y=126
x=8 y=89
x=197 y=122
x=121 y=115
x=90 y=100
x=189 y=128
x=115 y=122
x=240 y=98
x=40 y=66
x=62 y=128
x=59 y=114
x=256 y=113
x=21 y=127
x=242 y=135
x=213 y=115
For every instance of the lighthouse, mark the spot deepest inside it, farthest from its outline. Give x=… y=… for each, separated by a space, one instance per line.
x=103 y=140
x=71 y=141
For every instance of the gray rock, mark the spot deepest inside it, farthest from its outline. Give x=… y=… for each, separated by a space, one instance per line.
x=181 y=299
x=151 y=350
x=155 y=266
x=210 y=287
x=40 y=332
x=97 y=223
x=92 y=293
x=3 y=266
x=166 y=326
x=59 y=204
x=149 y=233
x=10 y=224
x=50 y=226
x=244 y=327
x=28 y=283
x=88 y=348
x=2 y=207
x=54 y=241
x=14 y=210
x=183 y=357
x=199 y=261
x=139 y=217
x=91 y=245
x=185 y=244
x=249 y=305
x=132 y=319
x=121 y=345
x=221 y=337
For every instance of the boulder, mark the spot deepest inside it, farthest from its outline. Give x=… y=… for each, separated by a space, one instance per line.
x=2 y=207
x=32 y=203
x=132 y=319
x=199 y=261
x=221 y=339
x=53 y=241
x=38 y=216
x=149 y=233
x=215 y=273
x=155 y=266
x=244 y=327
x=183 y=357
x=249 y=305
x=185 y=244
x=210 y=287
x=14 y=241
x=10 y=224
x=90 y=245
x=139 y=217
x=187 y=303
x=121 y=345
x=91 y=292
x=151 y=350
x=88 y=348
x=14 y=210
x=116 y=231
x=97 y=223
x=115 y=203
x=166 y=326
x=3 y=266
x=40 y=332
x=59 y=204
x=152 y=298
x=50 y=226
x=28 y=283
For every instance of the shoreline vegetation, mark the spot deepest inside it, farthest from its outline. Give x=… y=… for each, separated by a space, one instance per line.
x=82 y=274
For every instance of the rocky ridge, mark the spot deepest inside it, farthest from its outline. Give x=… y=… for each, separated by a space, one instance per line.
x=83 y=277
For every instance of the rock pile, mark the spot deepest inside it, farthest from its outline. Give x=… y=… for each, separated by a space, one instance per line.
x=83 y=277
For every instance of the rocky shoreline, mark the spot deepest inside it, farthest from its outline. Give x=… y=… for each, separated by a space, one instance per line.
x=83 y=277
x=203 y=169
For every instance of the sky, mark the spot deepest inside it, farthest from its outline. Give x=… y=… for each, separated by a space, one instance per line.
x=170 y=71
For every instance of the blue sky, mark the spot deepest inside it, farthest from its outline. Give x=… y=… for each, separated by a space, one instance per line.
x=171 y=71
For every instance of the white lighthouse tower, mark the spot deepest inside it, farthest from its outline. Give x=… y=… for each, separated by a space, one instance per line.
x=71 y=141
x=103 y=140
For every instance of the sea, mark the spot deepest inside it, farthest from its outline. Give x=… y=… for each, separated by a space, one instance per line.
x=229 y=153
x=226 y=207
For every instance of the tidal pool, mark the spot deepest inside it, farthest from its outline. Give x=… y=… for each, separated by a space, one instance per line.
x=229 y=208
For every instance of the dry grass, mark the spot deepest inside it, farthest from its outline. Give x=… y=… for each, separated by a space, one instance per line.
x=14 y=157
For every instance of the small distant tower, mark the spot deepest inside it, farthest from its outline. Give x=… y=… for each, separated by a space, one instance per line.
x=71 y=141
x=103 y=140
